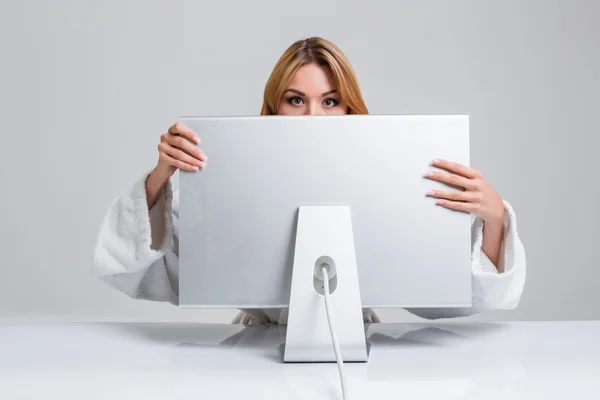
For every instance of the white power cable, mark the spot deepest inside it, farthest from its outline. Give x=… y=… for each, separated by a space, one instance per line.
x=334 y=339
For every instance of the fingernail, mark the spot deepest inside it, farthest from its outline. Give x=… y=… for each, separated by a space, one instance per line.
x=436 y=161
x=440 y=202
x=430 y=174
x=431 y=193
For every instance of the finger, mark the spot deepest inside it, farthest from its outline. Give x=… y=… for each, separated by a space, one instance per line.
x=463 y=170
x=457 y=205
x=453 y=195
x=184 y=144
x=451 y=179
x=180 y=155
x=178 y=163
x=179 y=129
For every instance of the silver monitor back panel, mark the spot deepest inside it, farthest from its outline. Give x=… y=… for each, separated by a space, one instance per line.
x=238 y=215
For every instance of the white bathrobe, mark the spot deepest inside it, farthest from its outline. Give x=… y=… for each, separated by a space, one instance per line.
x=137 y=253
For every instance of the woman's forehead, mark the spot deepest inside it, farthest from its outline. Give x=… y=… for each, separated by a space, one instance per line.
x=312 y=79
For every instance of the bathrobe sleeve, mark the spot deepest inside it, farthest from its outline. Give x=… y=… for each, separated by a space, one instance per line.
x=136 y=250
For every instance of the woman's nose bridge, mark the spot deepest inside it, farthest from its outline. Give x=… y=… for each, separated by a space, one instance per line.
x=314 y=108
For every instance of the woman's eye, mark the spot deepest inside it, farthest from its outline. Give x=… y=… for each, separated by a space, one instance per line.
x=330 y=102
x=296 y=101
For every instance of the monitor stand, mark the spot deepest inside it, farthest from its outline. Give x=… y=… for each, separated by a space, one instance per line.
x=324 y=236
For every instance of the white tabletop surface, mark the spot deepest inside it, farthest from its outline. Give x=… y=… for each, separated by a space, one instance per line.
x=450 y=360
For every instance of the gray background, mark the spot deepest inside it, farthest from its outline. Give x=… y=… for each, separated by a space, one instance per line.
x=88 y=87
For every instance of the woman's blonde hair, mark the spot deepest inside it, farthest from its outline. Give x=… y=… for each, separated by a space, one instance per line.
x=321 y=52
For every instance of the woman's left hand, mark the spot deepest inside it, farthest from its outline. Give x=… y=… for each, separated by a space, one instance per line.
x=475 y=195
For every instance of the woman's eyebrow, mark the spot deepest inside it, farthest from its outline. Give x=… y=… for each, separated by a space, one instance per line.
x=295 y=91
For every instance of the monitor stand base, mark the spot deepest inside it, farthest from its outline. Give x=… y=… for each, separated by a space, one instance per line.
x=324 y=236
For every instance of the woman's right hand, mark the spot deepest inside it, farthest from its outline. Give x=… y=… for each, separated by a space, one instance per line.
x=177 y=149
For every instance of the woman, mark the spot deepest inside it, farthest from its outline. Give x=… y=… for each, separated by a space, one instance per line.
x=137 y=247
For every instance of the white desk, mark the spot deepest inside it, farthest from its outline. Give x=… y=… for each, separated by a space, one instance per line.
x=451 y=360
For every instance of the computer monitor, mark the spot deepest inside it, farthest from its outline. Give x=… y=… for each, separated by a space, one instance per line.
x=282 y=195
